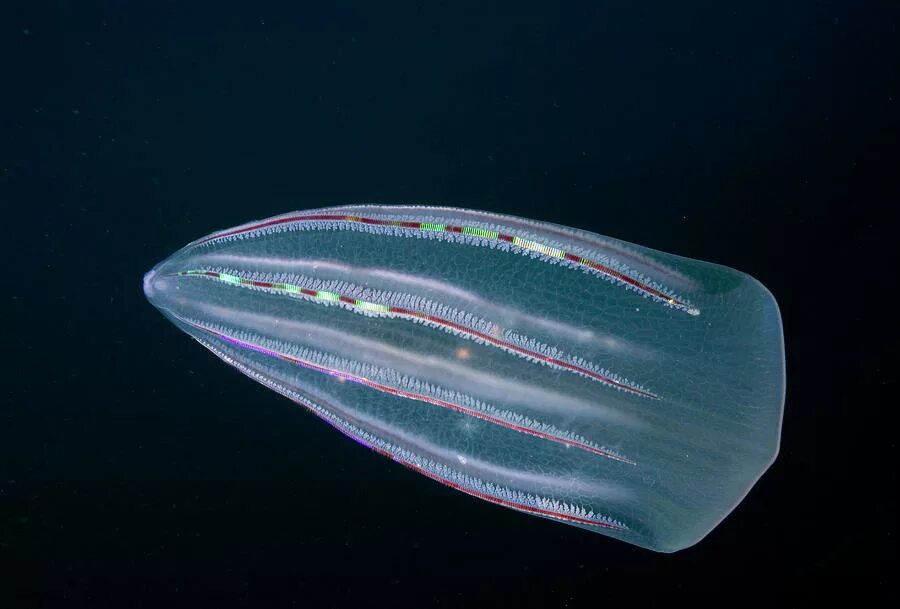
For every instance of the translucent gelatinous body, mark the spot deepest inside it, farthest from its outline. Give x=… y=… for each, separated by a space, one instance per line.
x=550 y=370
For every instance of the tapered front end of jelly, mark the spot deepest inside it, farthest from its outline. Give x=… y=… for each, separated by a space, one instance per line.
x=163 y=288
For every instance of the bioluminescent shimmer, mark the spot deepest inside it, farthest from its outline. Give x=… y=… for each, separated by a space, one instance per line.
x=541 y=368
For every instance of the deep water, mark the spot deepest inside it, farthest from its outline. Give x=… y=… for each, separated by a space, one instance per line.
x=136 y=470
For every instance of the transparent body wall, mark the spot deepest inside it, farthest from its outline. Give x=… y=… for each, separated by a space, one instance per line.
x=550 y=370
